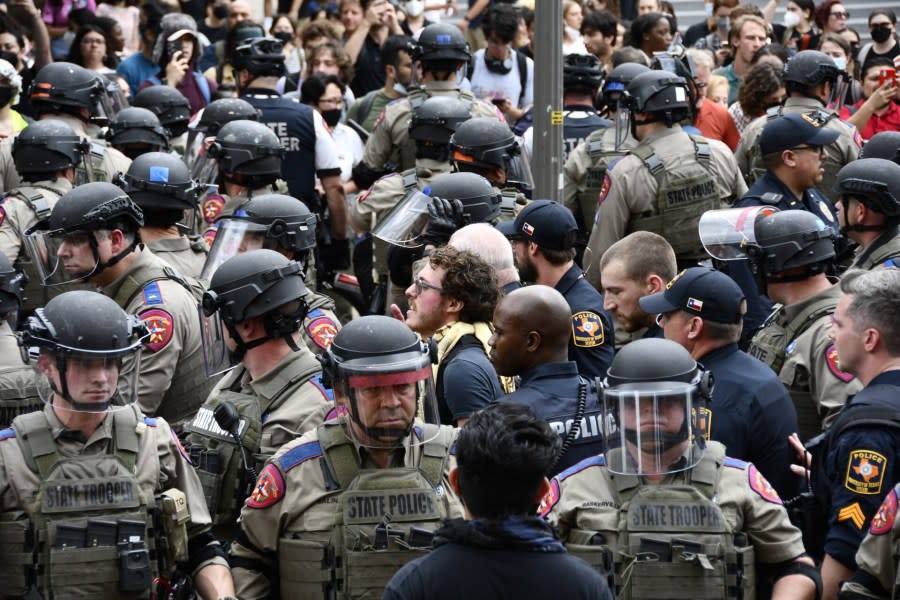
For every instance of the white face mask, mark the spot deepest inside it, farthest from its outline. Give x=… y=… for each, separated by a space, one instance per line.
x=791 y=19
x=572 y=32
x=840 y=62
x=414 y=8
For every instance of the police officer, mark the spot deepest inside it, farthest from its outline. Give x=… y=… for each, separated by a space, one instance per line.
x=532 y=327
x=18 y=389
x=668 y=510
x=364 y=491
x=812 y=80
x=869 y=210
x=276 y=388
x=876 y=562
x=668 y=180
x=441 y=53
x=89 y=475
x=855 y=466
x=884 y=144
x=586 y=164
x=136 y=130
x=92 y=235
x=169 y=105
x=46 y=155
x=543 y=237
x=751 y=412
x=216 y=114
x=286 y=225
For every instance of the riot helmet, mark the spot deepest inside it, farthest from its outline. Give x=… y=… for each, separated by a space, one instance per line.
x=654 y=391
x=432 y=124
x=258 y=283
x=884 y=144
x=373 y=358
x=202 y=132
x=46 y=147
x=483 y=144
x=582 y=73
x=662 y=93
x=875 y=182
x=80 y=333
x=271 y=221
x=168 y=104
x=63 y=87
x=810 y=68
x=247 y=153
x=161 y=186
x=12 y=287
x=64 y=246
x=618 y=80
x=261 y=56
x=442 y=42
x=136 y=130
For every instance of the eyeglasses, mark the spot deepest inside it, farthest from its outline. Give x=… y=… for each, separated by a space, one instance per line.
x=840 y=15
x=331 y=101
x=665 y=315
x=93 y=41
x=422 y=285
x=816 y=149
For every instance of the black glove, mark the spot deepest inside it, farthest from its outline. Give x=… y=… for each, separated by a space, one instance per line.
x=444 y=218
x=335 y=256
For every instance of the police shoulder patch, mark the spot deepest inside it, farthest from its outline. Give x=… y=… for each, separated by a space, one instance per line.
x=321 y=330
x=210 y=236
x=550 y=499
x=761 y=486
x=150 y=421
x=734 y=463
x=299 y=455
x=161 y=326
x=152 y=294
x=834 y=366
x=212 y=207
x=884 y=518
x=337 y=412
x=269 y=488
x=587 y=329
x=604 y=189
x=598 y=460
x=7 y=434
x=865 y=472
x=2 y=215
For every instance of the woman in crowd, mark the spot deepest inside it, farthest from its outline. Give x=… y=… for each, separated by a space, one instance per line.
x=762 y=88
x=651 y=33
x=127 y=16
x=883 y=29
x=717 y=90
x=837 y=47
x=799 y=29
x=325 y=93
x=56 y=16
x=878 y=110
x=573 y=15
x=363 y=40
x=91 y=50
x=831 y=16
x=283 y=29
x=716 y=38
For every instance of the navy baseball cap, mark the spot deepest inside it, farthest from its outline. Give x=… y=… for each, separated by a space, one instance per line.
x=798 y=129
x=702 y=292
x=547 y=223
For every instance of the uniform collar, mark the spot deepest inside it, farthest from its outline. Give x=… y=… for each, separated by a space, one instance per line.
x=568 y=280
x=804 y=103
x=59 y=431
x=270 y=384
x=770 y=180
x=439 y=86
x=258 y=92
x=144 y=259
x=662 y=132
x=171 y=244
x=558 y=369
x=60 y=185
x=887 y=378
x=789 y=312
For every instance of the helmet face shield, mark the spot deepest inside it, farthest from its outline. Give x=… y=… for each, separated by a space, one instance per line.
x=406 y=223
x=233 y=236
x=217 y=355
x=63 y=257
x=204 y=168
x=518 y=173
x=729 y=234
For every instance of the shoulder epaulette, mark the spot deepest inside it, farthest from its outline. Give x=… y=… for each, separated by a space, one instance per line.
x=150 y=421
x=594 y=461
x=316 y=380
x=734 y=463
x=299 y=455
x=7 y=434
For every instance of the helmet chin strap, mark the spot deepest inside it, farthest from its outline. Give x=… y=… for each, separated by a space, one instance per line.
x=846 y=226
x=382 y=434
x=96 y=407
x=100 y=267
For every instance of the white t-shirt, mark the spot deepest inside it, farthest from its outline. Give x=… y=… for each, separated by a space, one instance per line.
x=487 y=85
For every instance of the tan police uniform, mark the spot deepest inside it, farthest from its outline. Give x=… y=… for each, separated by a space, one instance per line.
x=50 y=476
x=878 y=556
x=883 y=252
x=389 y=146
x=321 y=491
x=215 y=205
x=186 y=254
x=173 y=382
x=796 y=338
x=629 y=199
x=723 y=504
x=320 y=324
x=842 y=151
x=18 y=380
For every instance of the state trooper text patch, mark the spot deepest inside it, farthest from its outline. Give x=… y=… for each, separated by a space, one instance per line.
x=587 y=329
x=865 y=472
x=69 y=496
x=883 y=521
x=161 y=326
x=269 y=488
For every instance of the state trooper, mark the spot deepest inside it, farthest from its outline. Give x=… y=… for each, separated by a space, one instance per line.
x=286 y=225
x=876 y=559
x=585 y=168
x=203 y=129
x=813 y=81
x=135 y=130
x=97 y=498
x=441 y=52
x=790 y=253
x=668 y=180
x=159 y=183
x=868 y=210
x=46 y=155
x=251 y=318
x=92 y=235
x=532 y=327
x=171 y=108
x=669 y=513
x=884 y=144
x=18 y=379
x=365 y=491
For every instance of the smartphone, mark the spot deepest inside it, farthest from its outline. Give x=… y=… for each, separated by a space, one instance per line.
x=498 y=101
x=887 y=75
x=172 y=48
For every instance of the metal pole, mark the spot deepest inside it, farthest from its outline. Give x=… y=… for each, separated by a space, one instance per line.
x=547 y=159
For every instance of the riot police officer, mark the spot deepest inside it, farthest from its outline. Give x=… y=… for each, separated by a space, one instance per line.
x=378 y=469
x=275 y=389
x=696 y=519
x=216 y=114
x=92 y=235
x=169 y=105
x=18 y=389
x=109 y=491
x=135 y=130
x=161 y=186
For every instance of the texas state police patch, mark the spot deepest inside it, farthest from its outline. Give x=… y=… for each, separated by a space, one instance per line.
x=161 y=326
x=322 y=331
x=865 y=472
x=212 y=207
x=550 y=499
x=761 y=485
x=883 y=521
x=269 y=488
x=587 y=329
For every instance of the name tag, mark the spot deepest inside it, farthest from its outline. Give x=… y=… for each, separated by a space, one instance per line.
x=674 y=515
x=70 y=496
x=373 y=507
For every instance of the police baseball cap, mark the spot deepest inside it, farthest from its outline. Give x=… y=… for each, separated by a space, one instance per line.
x=547 y=223
x=798 y=129
x=702 y=292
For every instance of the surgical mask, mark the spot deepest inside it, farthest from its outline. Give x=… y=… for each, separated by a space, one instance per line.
x=6 y=95
x=331 y=117
x=791 y=19
x=840 y=62
x=284 y=36
x=722 y=25
x=414 y=8
x=572 y=32
x=881 y=34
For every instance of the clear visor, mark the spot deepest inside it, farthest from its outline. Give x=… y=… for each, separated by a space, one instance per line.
x=623 y=122
x=652 y=431
x=93 y=382
x=234 y=236
x=217 y=355
x=727 y=234
x=519 y=173
x=204 y=168
x=103 y=109
x=839 y=91
x=62 y=259
x=406 y=223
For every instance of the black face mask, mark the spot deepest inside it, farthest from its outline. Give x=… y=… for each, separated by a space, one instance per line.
x=284 y=36
x=220 y=11
x=501 y=67
x=6 y=94
x=881 y=34
x=332 y=117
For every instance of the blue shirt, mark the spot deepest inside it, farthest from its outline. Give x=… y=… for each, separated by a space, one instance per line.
x=469 y=383
x=593 y=343
x=135 y=70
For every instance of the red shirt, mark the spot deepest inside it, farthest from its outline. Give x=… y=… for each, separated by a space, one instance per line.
x=715 y=123
x=889 y=121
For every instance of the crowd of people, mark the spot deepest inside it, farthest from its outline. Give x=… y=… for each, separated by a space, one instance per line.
x=285 y=317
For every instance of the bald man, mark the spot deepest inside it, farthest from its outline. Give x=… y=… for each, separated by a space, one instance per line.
x=532 y=327
x=493 y=248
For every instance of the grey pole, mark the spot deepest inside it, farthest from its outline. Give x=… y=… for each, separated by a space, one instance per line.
x=547 y=159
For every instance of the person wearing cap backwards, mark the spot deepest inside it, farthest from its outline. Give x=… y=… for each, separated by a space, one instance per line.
x=869 y=210
x=751 y=412
x=337 y=511
x=543 y=237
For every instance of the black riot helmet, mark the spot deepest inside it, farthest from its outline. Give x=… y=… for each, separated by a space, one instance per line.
x=12 y=287
x=884 y=144
x=483 y=142
x=809 y=68
x=662 y=93
x=289 y=223
x=432 y=124
x=161 y=186
x=225 y=110
x=46 y=147
x=441 y=47
x=65 y=87
x=481 y=203
x=873 y=181
x=249 y=151
x=87 y=326
x=582 y=73
x=261 y=56
x=169 y=105
x=792 y=245
x=135 y=130
x=618 y=80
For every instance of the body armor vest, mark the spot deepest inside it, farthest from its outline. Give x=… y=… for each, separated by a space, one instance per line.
x=384 y=519
x=601 y=147
x=685 y=189
x=18 y=393
x=87 y=530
